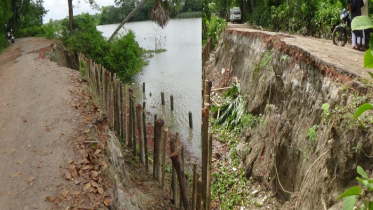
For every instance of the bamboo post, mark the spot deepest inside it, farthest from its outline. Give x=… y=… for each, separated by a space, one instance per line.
x=97 y=79
x=143 y=87
x=141 y=137
x=207 y=101
x=190 y=120
x=112 y=107
x=176 y=161
x=208 y=86
x=194 y=193
x=103 y=86
x=130 y=119
x=172 y=102
x=125 y=111
x=160 y=123
x=121 y=105
x=209 y=161
x=164 y=143
x=133 y=127
x=173 y=179
x=145 y=138
x=182 y=166
x=205 y=127
x=154 y=145
x=116 y=108
x=199 y=192
x=162 y=97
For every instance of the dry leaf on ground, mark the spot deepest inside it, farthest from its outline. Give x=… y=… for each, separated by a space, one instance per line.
x=20 y=162
x=107 y=201
x=94 y=184
x=15 y=175
x=50 y=199
x=9 y=193
x=41 y=164
x=100 y=190
x=31 y=179
x=94 y=174
x=64 y=194
x=87 y=186
x=68 y=176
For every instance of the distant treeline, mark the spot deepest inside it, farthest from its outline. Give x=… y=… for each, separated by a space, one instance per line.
x=308 y=17
x=115 y=14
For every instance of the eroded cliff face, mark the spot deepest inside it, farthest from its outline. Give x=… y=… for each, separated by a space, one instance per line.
x=288 y=87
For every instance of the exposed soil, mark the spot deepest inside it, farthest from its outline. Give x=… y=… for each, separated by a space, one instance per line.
x=288 y=90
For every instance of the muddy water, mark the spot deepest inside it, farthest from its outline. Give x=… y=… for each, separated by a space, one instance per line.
x=175 y=72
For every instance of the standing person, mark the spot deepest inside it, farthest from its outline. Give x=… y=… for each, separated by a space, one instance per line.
x=366 y=33
x=355 y=9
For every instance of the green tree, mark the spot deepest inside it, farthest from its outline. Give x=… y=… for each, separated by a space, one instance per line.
x=159 y=12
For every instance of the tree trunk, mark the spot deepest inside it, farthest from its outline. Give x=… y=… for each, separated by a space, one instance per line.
x=71 y=15
x=139 y=5
x=253 y=5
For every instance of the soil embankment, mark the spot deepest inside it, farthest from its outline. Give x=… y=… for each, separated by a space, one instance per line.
x=56 y=149
x=287 y=79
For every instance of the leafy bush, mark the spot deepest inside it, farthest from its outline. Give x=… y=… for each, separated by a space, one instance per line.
x=352 y=193
x=121 y=56
x=3 y=42
x=215 y=27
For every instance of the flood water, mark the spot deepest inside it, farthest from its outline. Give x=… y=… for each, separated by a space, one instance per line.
x=175 y=72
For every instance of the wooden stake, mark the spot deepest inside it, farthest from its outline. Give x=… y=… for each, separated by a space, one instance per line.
x=133 y=127
x=125 y=110
x=199 y=192
x=121 y=103
x=190 y=120
x=176 y=161
x=160 y=123
x=139 y=128
x=154 y=145
x=173 y=179
x=162 y=97
x=172 y=102
x=164 y=143
x=194 y=193
x=205 y=127
x=143 y=87
x=182 y=166
x=130 y=119
x=208 y=200
x=145 y=138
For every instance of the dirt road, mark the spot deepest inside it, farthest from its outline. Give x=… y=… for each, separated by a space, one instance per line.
x=35 y=122
x=342 y=57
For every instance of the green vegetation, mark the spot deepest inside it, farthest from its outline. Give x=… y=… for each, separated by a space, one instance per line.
x=121 y=56
x=185 y=15
x=312 y=135
x=355 y=192
x=231 y=113
x=229 y=185
x=215 y=27
x=307 y=17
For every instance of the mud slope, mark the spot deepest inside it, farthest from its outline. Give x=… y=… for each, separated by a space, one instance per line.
x=288 y=85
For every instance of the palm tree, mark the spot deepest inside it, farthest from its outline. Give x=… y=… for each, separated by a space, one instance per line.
x=158 y=13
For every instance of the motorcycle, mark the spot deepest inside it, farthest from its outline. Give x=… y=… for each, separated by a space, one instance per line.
x=12 y=39
x=340 y=32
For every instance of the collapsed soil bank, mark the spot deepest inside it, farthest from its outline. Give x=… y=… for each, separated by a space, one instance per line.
x=288 y=86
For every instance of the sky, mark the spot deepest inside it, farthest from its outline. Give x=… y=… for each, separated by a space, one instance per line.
x=58 y=9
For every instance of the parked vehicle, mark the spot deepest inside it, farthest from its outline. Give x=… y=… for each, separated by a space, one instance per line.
x=11 y=36
x=235 y=15
x=341 y=31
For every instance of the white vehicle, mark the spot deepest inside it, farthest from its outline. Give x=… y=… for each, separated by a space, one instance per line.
x=235 y=15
